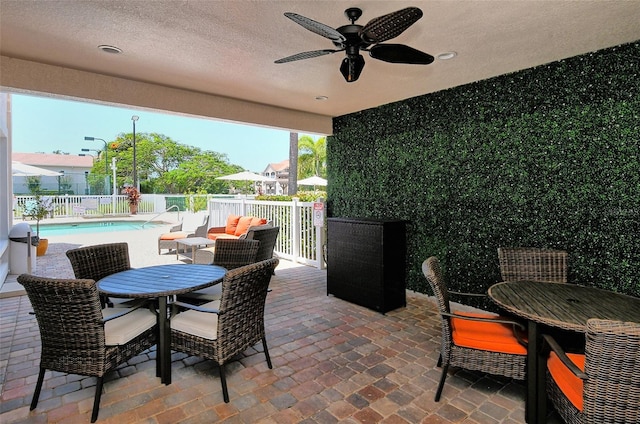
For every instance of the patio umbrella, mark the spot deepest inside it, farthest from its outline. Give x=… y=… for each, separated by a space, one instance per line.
x=245 y=176
x=19 y=169
x=313 y=181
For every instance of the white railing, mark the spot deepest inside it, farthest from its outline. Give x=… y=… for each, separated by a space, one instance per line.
x=299 y=239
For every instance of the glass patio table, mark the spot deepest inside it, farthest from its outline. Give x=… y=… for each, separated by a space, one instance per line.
x=561 y=306
x=161 y=282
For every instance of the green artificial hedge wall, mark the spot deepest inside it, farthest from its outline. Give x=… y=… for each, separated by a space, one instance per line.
x=545 y=157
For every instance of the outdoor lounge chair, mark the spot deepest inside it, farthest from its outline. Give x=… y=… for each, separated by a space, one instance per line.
x=193 y=225
x=532 y=263
x=475 y=341
x=603 y=385
x=222 y=329
x=76 y=338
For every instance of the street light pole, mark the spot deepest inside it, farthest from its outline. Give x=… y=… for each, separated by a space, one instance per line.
x=106 y=161
x=134 y=118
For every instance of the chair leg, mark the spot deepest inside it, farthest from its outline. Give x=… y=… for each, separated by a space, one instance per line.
x=36 y=393
x=266 y=352
x=445 y=368
x=96 y=400
x=223 y=380
x=439 y=364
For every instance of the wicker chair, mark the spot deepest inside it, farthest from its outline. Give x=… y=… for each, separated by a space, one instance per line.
x=230 y=254
x=475 y=341
x=533 y=263
x=603 y=385
x=98 y=261
x=267 y=237
x=220 y=333
x=75 y=337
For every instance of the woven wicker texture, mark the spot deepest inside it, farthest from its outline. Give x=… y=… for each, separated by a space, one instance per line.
x=267 y=238
x=533 y=264
x=612 y=389
x=231 y=254
x=240 y=318
x=496 y=363
x=96 y=262
x=72 y=331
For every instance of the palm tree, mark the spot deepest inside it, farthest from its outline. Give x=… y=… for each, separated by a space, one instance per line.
x=312 y=156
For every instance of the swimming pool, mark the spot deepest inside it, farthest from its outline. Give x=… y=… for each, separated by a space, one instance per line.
x=47 y=230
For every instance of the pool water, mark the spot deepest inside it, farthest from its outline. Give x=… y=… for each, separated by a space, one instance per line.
x=47 y=230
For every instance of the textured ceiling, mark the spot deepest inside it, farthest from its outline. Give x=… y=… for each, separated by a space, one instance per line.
x=227 y=48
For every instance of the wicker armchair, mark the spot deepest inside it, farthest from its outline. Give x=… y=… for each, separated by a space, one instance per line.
x=75 y=337
x=475 y=341
x=267 y=237
x=533 y=263
x=196 y=226
x=220 y=333
x=230 y=254
x=603 y=385
x=98 y=261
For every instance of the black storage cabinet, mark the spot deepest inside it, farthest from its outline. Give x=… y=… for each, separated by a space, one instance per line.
x=366 y=262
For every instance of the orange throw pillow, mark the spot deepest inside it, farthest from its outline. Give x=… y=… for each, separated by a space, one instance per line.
x=568 y=382
x=258 y=221
x=232 y=223
x=243 y=225
x=490 y=336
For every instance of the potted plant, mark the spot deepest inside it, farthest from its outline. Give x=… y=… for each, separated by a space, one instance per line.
x=133 y=196
x=39 y=208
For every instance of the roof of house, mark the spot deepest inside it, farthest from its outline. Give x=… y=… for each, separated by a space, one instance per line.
x=52 y=160
x=279 y=166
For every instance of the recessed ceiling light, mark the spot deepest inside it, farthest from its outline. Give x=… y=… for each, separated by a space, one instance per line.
x=109 y=49
x=447 y=55
x=322 y=98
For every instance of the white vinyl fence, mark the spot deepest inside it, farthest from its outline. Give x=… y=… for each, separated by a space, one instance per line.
x=299 y=239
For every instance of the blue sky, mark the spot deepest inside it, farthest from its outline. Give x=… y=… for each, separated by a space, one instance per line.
x=42 y=124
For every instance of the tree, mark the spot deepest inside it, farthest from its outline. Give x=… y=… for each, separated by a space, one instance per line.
x=166 y=166
x=312 y=157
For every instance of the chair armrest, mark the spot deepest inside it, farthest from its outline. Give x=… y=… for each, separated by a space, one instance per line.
x=216 y=230
x=177 y=227
x=126 y=311
x=550 y=341
x=196 y=308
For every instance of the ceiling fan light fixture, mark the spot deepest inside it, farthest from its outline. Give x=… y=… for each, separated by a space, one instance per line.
x=351 y=67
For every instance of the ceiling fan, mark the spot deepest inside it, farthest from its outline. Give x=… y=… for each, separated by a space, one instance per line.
x=354 y=38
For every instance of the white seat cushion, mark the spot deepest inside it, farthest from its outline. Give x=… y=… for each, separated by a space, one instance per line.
x=200 y=324
x=119 y=331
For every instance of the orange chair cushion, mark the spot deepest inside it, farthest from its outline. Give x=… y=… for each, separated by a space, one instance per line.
x=217 y=236
x=568 y=382
x=232 y=223
x=173 y=236
x=257 y=221
x=493 y=337
x=243 y=225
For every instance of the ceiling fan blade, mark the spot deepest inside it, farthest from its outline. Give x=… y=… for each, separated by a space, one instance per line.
x=399 y=53
x=306 y=55
x=314 y=26
x=388 y=26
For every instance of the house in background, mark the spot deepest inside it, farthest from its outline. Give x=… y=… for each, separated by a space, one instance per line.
x=75 y=168
x=279 y=171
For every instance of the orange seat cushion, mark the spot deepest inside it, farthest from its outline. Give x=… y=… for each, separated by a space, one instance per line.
x=232 y=223
x=568 y=382
x=217 y=236
x=243 y=225
x=173 y=236
x=494 y=337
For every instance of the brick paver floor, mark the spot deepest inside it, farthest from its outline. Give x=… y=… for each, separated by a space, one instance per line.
x=334 y=362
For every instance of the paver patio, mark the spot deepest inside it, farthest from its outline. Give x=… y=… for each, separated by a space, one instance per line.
x=333 y=362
